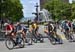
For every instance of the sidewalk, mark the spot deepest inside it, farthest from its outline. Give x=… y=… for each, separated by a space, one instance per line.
x=2 y=35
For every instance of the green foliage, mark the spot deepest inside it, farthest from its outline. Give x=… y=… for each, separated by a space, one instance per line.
x=60 y=9
x=12 y=10
x=73 y=11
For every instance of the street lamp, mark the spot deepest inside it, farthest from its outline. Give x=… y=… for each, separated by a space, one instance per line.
x=37 y=12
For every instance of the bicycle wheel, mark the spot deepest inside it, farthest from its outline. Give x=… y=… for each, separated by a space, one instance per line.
x=9 y=44
x=58 y=39
x=29 y=37
x=67 y=35
x=52 y=41
x=34 y=40
x=41 y=39
x=71 y=37
x=51 y=38
x=22 y=43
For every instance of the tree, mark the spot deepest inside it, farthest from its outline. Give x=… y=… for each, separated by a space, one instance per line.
x=11 y=9
x=59 y=9
x=73 y=11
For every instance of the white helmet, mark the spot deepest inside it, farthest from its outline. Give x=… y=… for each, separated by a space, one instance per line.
x=5 y=24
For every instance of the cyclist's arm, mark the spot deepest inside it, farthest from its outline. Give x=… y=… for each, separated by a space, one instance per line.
x=7 y=31
x=30 y=28
x=19 y=31
x=46 y=29
x=52 y=27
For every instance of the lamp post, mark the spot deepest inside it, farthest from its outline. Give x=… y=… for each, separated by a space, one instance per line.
x=36 y=13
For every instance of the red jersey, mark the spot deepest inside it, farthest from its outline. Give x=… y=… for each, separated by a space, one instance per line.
x=9 y=27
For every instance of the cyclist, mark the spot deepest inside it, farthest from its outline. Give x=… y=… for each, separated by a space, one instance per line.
x=34 y=29
x=10 y=29
x=66 y=28
x=24 y=30
x=19 y=33
x=50 y=30
x=73 y=25
x=18 y=36
x=52 y=33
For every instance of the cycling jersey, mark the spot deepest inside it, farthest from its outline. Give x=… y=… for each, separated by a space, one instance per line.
x=34 y=26
x=18 y=27
x=73 y=26
x=24 y=28
x=50 y=27
x=9 y=27
x=66 y=26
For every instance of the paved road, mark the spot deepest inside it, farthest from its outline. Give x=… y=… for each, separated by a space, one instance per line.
x=43 y=47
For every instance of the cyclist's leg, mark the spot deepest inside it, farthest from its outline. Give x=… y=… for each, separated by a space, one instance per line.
x=37 y=34
x=34 y=33
x=74 y=30
x=18 y=38
x=23 y=34
x=50 y=35
x=66 y=33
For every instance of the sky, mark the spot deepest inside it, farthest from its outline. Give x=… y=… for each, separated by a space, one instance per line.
x=29 y=7
x=70 y=1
